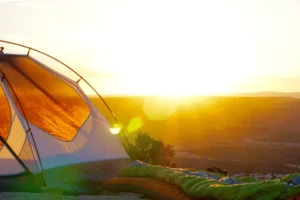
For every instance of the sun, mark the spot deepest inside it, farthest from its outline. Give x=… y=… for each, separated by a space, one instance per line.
x=183 y=83
x=162 y=59
x=174 y=83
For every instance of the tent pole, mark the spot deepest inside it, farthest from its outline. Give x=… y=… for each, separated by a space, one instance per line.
x=28 y=126
x=17 y=158
x=29 y=49
x=80 y=77
x=14 y=154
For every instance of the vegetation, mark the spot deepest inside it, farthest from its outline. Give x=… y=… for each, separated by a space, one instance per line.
x=152 y=151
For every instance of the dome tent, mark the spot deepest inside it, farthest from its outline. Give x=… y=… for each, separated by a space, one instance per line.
x=47 y=121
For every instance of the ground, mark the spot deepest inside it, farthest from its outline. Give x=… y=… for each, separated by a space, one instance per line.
x=44 y=196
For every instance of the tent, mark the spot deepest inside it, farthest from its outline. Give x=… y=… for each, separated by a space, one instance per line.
x=52 y=135
x=47 y=121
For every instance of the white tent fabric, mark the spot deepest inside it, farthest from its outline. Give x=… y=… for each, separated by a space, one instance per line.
x=9 y=165
x=92 y=141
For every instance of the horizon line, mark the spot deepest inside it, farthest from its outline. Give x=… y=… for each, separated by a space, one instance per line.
x=196 y=95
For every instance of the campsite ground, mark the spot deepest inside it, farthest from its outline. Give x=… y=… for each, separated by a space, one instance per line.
x=44 y=196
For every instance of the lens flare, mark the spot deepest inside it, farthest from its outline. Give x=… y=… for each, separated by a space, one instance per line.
x=158 y=108
x=135 y=124
x=115 y=129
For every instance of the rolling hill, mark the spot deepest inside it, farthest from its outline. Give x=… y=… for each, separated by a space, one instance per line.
x=201 y=119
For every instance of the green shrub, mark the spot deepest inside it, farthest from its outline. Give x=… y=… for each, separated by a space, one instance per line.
x=152 y=151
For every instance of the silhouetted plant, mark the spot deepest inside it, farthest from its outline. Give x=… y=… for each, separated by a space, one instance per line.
x=152 y=151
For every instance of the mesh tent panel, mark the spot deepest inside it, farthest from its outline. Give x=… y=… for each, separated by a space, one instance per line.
x=28 y=157
x=48 y=102
x=9 y=165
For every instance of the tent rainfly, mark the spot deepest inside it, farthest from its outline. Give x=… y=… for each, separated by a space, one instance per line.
x=47 y=121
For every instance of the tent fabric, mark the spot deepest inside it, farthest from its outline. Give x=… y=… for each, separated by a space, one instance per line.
x=49 y=103
x=66 y=127
x=4 y=116
x=28 y=157
x=9 y=164
x=20 y=183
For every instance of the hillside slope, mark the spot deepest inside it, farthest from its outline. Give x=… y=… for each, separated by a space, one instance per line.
x=202 y=119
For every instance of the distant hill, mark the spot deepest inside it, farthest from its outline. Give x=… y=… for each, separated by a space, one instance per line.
x=268 y=94
x=197 y=120
x=237 y=94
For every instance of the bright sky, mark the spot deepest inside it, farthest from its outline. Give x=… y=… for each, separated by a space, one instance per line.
x=165 y=47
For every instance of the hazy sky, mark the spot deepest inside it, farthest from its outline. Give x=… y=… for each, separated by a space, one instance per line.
x=165 y=47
